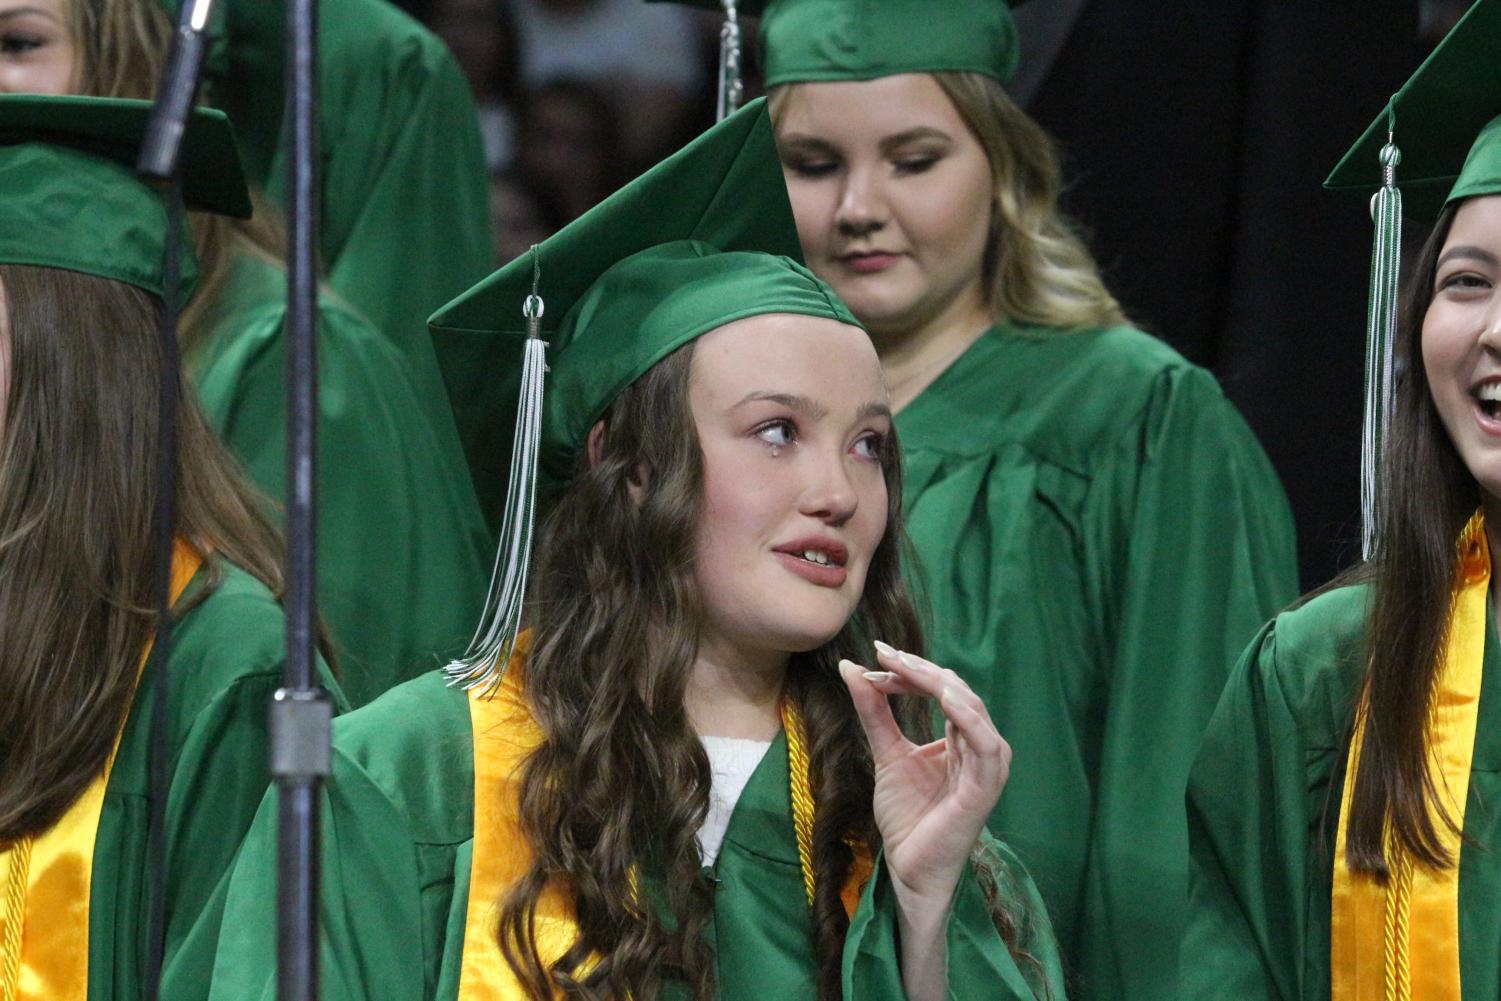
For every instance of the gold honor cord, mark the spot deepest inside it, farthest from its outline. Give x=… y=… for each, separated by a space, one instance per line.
x=504 y=734
x=1398 y=940
x=49 y=877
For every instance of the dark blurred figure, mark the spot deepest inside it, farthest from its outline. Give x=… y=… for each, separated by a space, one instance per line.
x=482 y=36
x=1438 y=17
x=648 y=59
x=1196 y=136
x=521 y=214
x=568 y=144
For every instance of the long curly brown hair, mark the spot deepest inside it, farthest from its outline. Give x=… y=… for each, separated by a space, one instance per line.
x=620 y=783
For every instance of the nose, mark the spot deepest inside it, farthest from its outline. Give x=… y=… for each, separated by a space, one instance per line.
x=1490 y=337
x=862 y=204
x=830 y=495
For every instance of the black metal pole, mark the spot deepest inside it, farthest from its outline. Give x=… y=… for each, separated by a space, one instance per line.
x=300 y=713
x=176 y=94
x=156 y=162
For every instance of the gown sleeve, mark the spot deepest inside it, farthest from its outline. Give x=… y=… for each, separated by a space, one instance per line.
x=979 y=963
x=396 y=827
x=1250 y=818
x=394 y=496
x=1193 y=539
x=376 y=940
x=226 y=663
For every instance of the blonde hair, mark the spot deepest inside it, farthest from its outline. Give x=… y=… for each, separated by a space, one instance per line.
x=123 y=46
x=1037 y=269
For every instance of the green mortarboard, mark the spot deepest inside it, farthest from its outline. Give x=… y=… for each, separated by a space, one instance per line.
x=702 y=239
x=724 y=188
x=73 y=201
x=820 y=40
x=1443 y=119
x=1437 y=141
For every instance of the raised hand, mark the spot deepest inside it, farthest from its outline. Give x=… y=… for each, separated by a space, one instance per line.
x=931 y=801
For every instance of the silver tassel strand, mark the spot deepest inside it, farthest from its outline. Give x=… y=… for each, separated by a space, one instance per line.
x=1381 y=325
x=731 y=85
x=484 y=663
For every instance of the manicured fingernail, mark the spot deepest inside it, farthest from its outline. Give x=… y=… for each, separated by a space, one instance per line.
x=911 y=661
x=887 y=649
x=879 y=677
x=847 y=665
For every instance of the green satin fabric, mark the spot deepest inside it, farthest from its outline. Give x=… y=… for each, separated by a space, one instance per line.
x=394 y=496
x=227 y=659
x=1098 y=536
x=405 y=219
x=398 y=823
x=1263 y=805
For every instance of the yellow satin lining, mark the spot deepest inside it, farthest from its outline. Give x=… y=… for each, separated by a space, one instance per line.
x=54 y=963
x=504 y=734
x=1400 y=940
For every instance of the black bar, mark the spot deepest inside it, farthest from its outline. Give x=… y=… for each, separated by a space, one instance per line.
x=299 y=721
x=175 y=94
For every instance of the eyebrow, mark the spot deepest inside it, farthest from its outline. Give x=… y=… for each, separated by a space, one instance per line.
x=1472 y=253
x=805 y=144
x=6 y=15
x=918 y=134
x=809 y=407
x=799 y=142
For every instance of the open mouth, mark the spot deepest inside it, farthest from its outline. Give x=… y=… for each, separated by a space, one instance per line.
x=1488 y=398
x=820 y=557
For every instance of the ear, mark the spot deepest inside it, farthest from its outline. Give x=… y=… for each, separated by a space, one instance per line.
x=594 y=446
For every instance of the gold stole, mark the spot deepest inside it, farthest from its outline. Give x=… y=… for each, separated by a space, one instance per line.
x=49 y=875
x=1399 y=940
x=504 y=735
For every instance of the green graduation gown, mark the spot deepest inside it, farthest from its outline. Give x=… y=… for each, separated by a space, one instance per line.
x=227 y=659
x=1098 y=535
x=404 y=200
x=1263 y=810
x=398 y=834
x=394 y=496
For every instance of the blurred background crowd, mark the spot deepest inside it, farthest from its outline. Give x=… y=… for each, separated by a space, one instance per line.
x=1194 y=135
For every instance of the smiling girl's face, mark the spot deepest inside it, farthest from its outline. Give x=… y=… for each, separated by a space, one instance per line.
x=1462 y=339
x=794 y=427
x=37 y=50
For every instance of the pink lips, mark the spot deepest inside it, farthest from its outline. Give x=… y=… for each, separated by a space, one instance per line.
x=831 y=574
x=869 y=264
x=1488 y=425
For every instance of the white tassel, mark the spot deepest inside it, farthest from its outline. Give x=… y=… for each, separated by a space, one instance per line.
x=731 y=83
x=484 y=663
x=1381 y=326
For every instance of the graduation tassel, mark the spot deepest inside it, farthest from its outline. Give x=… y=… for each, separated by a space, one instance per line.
x=1381 y=325
x=484 y=663
x=731 y=86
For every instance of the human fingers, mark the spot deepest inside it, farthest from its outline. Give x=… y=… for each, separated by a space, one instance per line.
x=927 y=676
x=873 y=710
x=982 y=753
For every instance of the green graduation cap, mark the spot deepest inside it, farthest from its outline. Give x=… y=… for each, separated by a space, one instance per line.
x=73 y=201
x=1444 y=121
x=725 y=188
x=1438 y=140
x=701 y=240
x=822 y=40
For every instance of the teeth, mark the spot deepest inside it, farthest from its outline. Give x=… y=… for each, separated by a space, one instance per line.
x=814 y=556
x=1490 y=392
